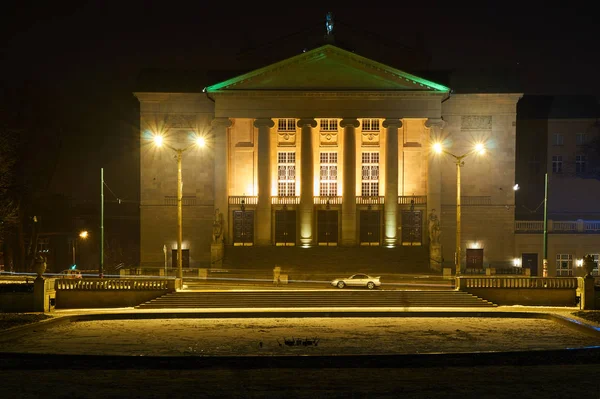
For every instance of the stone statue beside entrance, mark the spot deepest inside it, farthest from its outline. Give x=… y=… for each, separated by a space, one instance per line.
x=217 y=227
x=216 y=246
x=435 y=248
x=434 y=228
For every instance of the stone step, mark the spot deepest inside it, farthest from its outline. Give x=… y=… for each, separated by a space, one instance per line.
x=272 y=299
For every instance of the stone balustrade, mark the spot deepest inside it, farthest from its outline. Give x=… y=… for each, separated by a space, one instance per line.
x=113 y=284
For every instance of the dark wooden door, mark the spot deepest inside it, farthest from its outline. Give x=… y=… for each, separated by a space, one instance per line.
x=530 y=261
x=243 y=227
x=185 y=258
x=327 y=227
x=412 y=227
x=285 y=227
x=475 y=258
x=370 y=227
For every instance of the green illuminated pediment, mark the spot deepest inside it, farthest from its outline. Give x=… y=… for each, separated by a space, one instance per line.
x=327 y=68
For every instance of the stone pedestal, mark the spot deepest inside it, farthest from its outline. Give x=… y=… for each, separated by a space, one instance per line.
x=43 y=295
x=216 y=255
x=586 y=291
x=435 y=257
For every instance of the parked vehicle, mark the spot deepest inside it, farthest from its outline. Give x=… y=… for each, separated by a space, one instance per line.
x=71 y=273
x=357 y=280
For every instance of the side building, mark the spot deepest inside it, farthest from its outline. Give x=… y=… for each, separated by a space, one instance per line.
x=558 y=136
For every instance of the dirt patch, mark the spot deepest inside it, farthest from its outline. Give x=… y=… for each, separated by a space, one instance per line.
x=589 y=315
x=9 y=320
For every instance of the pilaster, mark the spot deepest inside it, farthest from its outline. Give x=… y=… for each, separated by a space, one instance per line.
x=306 y=207
x=221 y=169
x=391 y=182
x=349 y=185
x=263 y=207
x=434 y=196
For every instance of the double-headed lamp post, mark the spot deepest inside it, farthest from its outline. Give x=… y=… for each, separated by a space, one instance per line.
x=459 y=161
x=200 y=142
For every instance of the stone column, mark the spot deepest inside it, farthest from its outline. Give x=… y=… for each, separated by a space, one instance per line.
x=221 y=171
x=434 y=196
x=391 y=182
x=349 y=184
x=306 y=207
x=263 y=208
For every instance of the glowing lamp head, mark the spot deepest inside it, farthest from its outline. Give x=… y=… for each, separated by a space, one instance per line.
x=158 y=140
x=83 y=234
x=480 y=148
x=437 y=147
x=200 y=141
x=516 y=187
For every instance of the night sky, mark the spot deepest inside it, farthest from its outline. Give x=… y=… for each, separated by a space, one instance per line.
x=88 y=55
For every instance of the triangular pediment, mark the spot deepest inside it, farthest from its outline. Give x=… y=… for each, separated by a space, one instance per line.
x=327 y=68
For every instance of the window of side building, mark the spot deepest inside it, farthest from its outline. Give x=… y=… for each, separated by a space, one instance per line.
x=557 y=164
x=580 y=164
x=581 y=139
x=564 y=265
x=559 y=139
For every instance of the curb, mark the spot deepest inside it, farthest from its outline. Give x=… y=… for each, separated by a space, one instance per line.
x=12 y=361
x=296 y=313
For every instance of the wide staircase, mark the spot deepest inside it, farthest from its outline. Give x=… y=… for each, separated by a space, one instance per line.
x=299 y=260
x=316 y=299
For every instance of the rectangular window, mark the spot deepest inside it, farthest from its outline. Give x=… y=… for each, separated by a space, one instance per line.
x=564 y=265
x=580 y=164
x=43 y=246
x=596 y=261
x=329 y=125
x=370 y=174
x=559 y=139
x=328 y=174
x=370 y=125
x=286 y=125
x=557 y=163
x=286 y=174
x=581 y=139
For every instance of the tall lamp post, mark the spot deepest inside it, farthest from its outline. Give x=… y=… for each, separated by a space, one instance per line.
x=545 y=261
x=200 y=142
x=459 y=161
x=83 y=235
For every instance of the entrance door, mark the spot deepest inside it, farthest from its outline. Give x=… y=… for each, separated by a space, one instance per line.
x=243 y=228
x=285 y=227
x=412 y=227
x=185 y=258
x=530 y=261
x=327 y=227
x=370 y=227
x=475 y=258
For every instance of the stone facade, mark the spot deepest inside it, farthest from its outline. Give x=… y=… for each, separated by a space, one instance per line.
x=340 y=144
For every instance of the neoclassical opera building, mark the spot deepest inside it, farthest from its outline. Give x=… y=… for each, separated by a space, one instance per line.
x=324 y=151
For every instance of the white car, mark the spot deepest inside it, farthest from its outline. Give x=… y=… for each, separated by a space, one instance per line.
x=357 y=280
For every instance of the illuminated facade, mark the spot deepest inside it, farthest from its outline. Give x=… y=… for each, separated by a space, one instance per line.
x=329 y=149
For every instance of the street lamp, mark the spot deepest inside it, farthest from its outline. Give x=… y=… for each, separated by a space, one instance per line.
x=83 y=235
x=459 y=161
x=200 y=142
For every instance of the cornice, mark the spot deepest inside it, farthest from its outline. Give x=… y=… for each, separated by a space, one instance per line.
x=150 y=96
x=327 y=94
